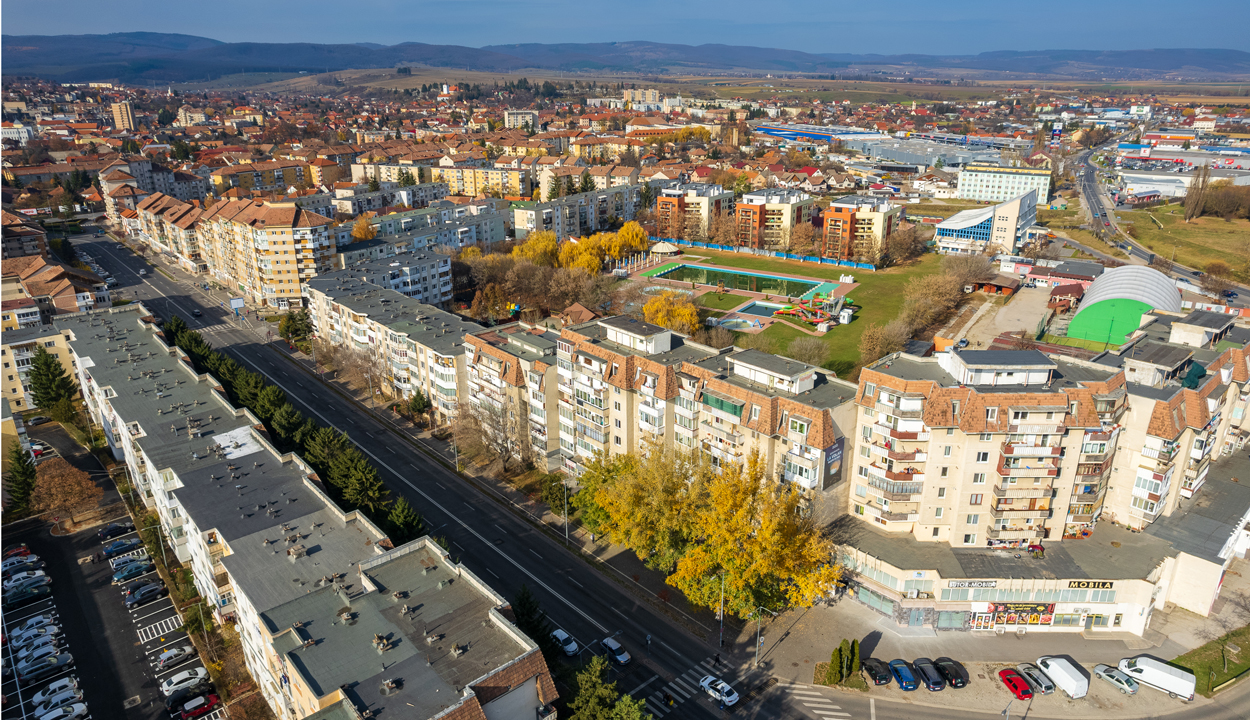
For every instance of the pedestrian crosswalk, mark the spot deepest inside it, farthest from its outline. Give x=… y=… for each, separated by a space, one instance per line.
x=680 y=689
x=158 y=629
x=817 y=704
x=215 y=328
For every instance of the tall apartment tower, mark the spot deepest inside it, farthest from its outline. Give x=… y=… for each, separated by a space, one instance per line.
x=123 y=115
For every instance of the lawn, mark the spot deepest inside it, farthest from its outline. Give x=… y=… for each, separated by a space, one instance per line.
x=1196 y=243
x=1207 y=662
x=719 y=301
x=879 y=297
x=945 y=209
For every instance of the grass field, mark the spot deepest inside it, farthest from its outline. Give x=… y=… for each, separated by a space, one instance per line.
x=879 y=295
x=727 y=301
x=1207 y=662
x=945 y=209
x=1196 y=243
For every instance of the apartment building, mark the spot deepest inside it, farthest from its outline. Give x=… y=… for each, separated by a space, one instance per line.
x=623 y=382
x=766 y=218
x=125 y=183
x=420 y=275
x=414 y=346
x=265 y=251
x=169 y=226
x=996 y=183
x=17 y=350
x=352 y=201
x=642 y=96
x=54 y=287
x=190 y=117
x=517 y=119
x=21 y=236
x=979 y=477
x=19 y=312
x=689 y=210
x=265 y=176
x=456 y=226
x=997 y=229
x=123 y=116
x=577 y=215
x=12 y=429
x=856 y=227
x=476 y=181
x=240 y=515
x=511 y=384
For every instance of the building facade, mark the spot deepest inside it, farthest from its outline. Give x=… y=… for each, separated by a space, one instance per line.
x=123 y=115
x=997 y=229
x=577 y=215
x=767 y=218
x=691 y=210
x=856 y=227
x=995 y=183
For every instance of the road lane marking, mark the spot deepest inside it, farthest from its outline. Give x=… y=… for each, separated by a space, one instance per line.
x=653 y=679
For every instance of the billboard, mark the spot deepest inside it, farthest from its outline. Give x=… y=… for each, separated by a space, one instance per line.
x=236 y=303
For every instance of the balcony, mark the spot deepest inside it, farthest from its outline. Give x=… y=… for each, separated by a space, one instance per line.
x=725 y=435
x=898 y=411
x=1034 y=468
x=1086 y=497
x=1009 y=511
x=1012 y=491
x=1012 y=533
x=1164 y=456
x=886 y=451
x=901 y=434
x=1022 y=450
x=900 y=517
x=724 y=453
x=222 y=580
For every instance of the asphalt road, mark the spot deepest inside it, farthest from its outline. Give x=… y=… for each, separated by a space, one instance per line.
x=508 y=552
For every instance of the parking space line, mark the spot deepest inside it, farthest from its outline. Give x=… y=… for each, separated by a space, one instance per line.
x=145 y=617
x=155 y=630
x=166 y=645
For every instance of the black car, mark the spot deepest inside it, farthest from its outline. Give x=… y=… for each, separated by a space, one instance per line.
x=112 y=530
x=878 y=671
x=956 y=675
x=928 y=674
x=134 y=586
x=21 y=598
x=119 y=547
x=145 y=594
x=175 y=701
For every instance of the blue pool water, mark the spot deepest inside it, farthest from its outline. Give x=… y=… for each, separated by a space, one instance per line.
x=738 y=280
x=761 y=309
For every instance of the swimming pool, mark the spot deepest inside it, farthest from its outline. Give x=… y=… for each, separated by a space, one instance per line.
x=737 y=280
x=761 y=309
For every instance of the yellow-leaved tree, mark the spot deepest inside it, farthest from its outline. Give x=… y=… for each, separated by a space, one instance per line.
x=470 y=253
x=675 y=311
x=540 y=248
x=585 y=253
x=362 y=229
x=746 y=528
x=630 y=240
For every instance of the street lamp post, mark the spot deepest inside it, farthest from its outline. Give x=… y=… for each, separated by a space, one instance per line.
x=722 y=609
x=566 y=511
x=1006 y=713
x=759 y=639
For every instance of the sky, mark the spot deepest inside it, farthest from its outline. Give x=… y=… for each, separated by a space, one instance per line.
x=952 y=27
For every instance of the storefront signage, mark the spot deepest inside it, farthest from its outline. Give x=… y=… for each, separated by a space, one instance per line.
x=973 y=583
x=1024 y=613
x=1091 y=584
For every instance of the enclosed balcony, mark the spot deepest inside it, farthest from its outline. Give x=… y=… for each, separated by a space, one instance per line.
x=1033 y=467
x=1015 y=533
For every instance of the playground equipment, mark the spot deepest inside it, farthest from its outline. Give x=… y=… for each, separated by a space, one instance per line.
x=820 y=308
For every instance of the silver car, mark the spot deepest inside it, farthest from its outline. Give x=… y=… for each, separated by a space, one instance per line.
x=1115 y=676
x=1036 y=679
x=68 y=696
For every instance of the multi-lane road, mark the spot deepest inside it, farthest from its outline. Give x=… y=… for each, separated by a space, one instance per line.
x=507 y=551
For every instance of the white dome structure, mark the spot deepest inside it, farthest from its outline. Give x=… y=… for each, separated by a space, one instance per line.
x=1114 y=303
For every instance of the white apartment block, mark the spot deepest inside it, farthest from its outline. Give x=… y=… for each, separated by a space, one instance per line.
x=354 y=201
x=577 y=215
x=273 y=555
x=513 y=119
x=689 y=210
x=996 y=183
x=415 y=346
x=996 y=229
x=420 y=275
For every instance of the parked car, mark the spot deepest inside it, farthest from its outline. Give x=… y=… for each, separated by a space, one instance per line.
x=719 y=689
x=134 y=586
x=39 y=647
x=29 y=583
x=174 y=657
x=956 y=675
x=144 y=595
x=118 y=563
x=1116 y=677
x=18 y=579
x=184 y=679
x=37 y=420
x=43 y=669
x=36 y=565
x=199 y=706
x=38 y=621
x=1016 y=683
x=1036 y=679
x=69 y=696
x=39 y=449
x=565 y=641
x=16 y=550
x=131 y=571
x=17 y=563
x=69 y=712
x=1065 y=675
x=904 y=674
x=877 y=671
x=927 y=673
x=66 y=683
x=112 y=530
x=963 y=343
x=117 y=547
x=175 y=701
x=616 y=653
x=1174 y=681
x=22 y=639
x=26 y=596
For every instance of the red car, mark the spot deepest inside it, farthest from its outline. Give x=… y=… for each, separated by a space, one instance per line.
x=17 y=550
x=201 y=706
x=1016 y=684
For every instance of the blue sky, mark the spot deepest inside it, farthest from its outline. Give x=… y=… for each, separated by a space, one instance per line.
x=953 y=27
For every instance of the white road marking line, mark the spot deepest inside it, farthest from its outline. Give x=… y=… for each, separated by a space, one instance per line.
x=575 y=583
x=653 y=679
x=492 y=572
x=872 y=708
x=540 y=557
x=158 y=629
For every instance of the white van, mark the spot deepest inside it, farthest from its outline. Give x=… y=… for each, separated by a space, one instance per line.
x=1065 y=675
x=1159 y=675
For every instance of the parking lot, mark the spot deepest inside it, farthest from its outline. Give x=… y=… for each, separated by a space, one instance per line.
x=115 y=648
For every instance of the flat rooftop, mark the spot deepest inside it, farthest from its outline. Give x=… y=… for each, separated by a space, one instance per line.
x=441 y=331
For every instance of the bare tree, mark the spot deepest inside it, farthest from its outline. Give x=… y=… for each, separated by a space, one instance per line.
x=1162 y=264
x=967 y=269
x=1216 y=280
x=810 y=350
x=1196 y=196
x=495 y=433
x=715 y=337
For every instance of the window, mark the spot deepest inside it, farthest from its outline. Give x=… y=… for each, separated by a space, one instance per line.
x=937 y=512
x=946 y=451
x=798 y=426
x=935 y=532
x=970 y=539
x=941 y=493
x=755 y=413
x=978 y=478
x=975 y=499
x=616 y=440
x=1019 y=415
x=991 y=414
x=972 y=519
x=943 y=472
x=1104 y=596
x=864 y=451
x=50 y=343
x=861 y=491
x=618 y=422
x=866 y=431
x=863 y=471
x=986 y=437
x=951 y=430
x=616 y=406
x=983 y=457
x=870 y=390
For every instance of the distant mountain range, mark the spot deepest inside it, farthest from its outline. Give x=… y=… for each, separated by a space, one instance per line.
x=158 y=57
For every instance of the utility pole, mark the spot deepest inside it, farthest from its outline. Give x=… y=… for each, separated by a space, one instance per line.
x=722 y=609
